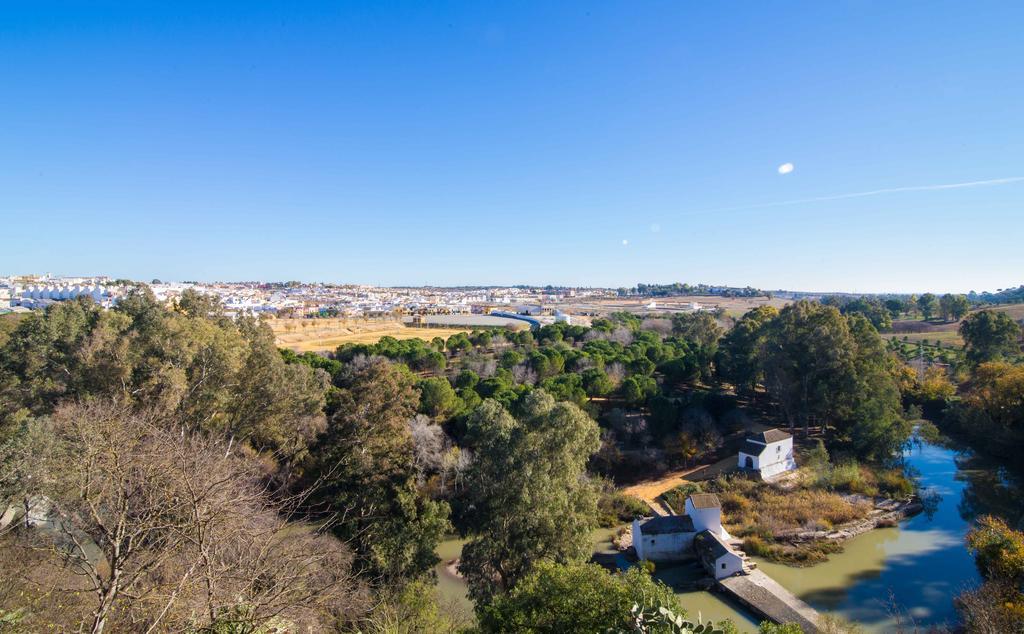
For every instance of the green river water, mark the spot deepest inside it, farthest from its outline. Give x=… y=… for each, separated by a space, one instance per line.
x=916 y=568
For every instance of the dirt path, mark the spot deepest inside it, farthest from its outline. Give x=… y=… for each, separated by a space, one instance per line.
x=649 y=490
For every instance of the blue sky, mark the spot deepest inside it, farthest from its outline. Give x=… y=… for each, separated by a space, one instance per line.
x=501 y=143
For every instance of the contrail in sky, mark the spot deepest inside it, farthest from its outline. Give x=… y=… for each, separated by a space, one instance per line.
x=874 y=192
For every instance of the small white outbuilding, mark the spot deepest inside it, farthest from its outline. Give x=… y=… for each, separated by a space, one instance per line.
x=706 y=512
x=768 y=453
x=717 y=557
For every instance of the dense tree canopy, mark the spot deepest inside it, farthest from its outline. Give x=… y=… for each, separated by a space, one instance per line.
x=928 y=304
x=437 y=398
x=415 y=353
x=214 y=374
x=990 y=335
x=833 y=370
x=702 y=330
x=528 y=499
x=991 y=411
x=738 y=357
x=953 y=307
x=380 y=440
x=367 y=479
x=872 y=308
x=575 y=599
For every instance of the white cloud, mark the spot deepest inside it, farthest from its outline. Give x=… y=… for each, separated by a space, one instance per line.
x=625 y=243
x=785 y=168
x=874 y=192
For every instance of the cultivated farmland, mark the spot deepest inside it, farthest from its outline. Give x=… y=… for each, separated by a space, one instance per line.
x=314 y=335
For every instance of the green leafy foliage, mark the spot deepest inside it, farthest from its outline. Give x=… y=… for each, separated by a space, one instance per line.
x=822 y=366
x=998 y=550
x=660 y=619
x=527 y=498
x=437 y=398
x=990 y=336
x=419 y=355
x=953 y=307
x=928 y=304
x=214 y=374
x=579 y=599
x=998 y=605
x=364 y=463
x=738 y=358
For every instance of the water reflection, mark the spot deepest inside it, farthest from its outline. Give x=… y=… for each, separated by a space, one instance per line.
x=993 y=491
x=706 y=605
x=452 y=590
x=916 y=569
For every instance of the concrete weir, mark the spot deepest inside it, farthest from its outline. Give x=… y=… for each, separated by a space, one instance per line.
x=765 y=597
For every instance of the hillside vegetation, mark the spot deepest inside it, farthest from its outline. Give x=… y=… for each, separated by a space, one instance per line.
x=180 y=472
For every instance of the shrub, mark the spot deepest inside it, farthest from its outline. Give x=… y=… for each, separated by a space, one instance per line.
x=806 y=554
x=894 y=484
x=676 y=498
x=615 y=508
x=758 y=547
x=735 y=504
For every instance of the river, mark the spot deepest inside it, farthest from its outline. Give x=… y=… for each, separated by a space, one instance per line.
x=915 y=569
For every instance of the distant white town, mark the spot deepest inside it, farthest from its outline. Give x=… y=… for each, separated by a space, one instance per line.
x=296 y=299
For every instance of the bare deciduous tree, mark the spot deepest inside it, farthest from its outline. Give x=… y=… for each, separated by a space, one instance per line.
x=654 y=324
x=484 y=366
x=616 y=373
x=524 y=374
x=621 y=335
x=165 y=530
x=428 y=446
x=455 y=464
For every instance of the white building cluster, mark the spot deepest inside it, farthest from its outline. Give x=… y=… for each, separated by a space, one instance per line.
x=309 y=300
x=698 y=533
x=352 y=300
x=42 y=295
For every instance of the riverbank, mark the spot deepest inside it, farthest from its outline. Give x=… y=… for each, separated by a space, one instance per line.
x=908 y=572
x=804 y=548
x=886 y=514
x=913 y=571
x=803 y=517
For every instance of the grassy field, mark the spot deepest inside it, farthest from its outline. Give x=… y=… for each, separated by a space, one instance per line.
x=950 y=338
x=1015 y=311
x=314 y=335
x=916 y=330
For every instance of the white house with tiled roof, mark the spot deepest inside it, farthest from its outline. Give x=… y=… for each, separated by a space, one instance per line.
x=670 y=537
x=706 y=512
x=768 y=453
x=664 y=537
x=698 y=533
